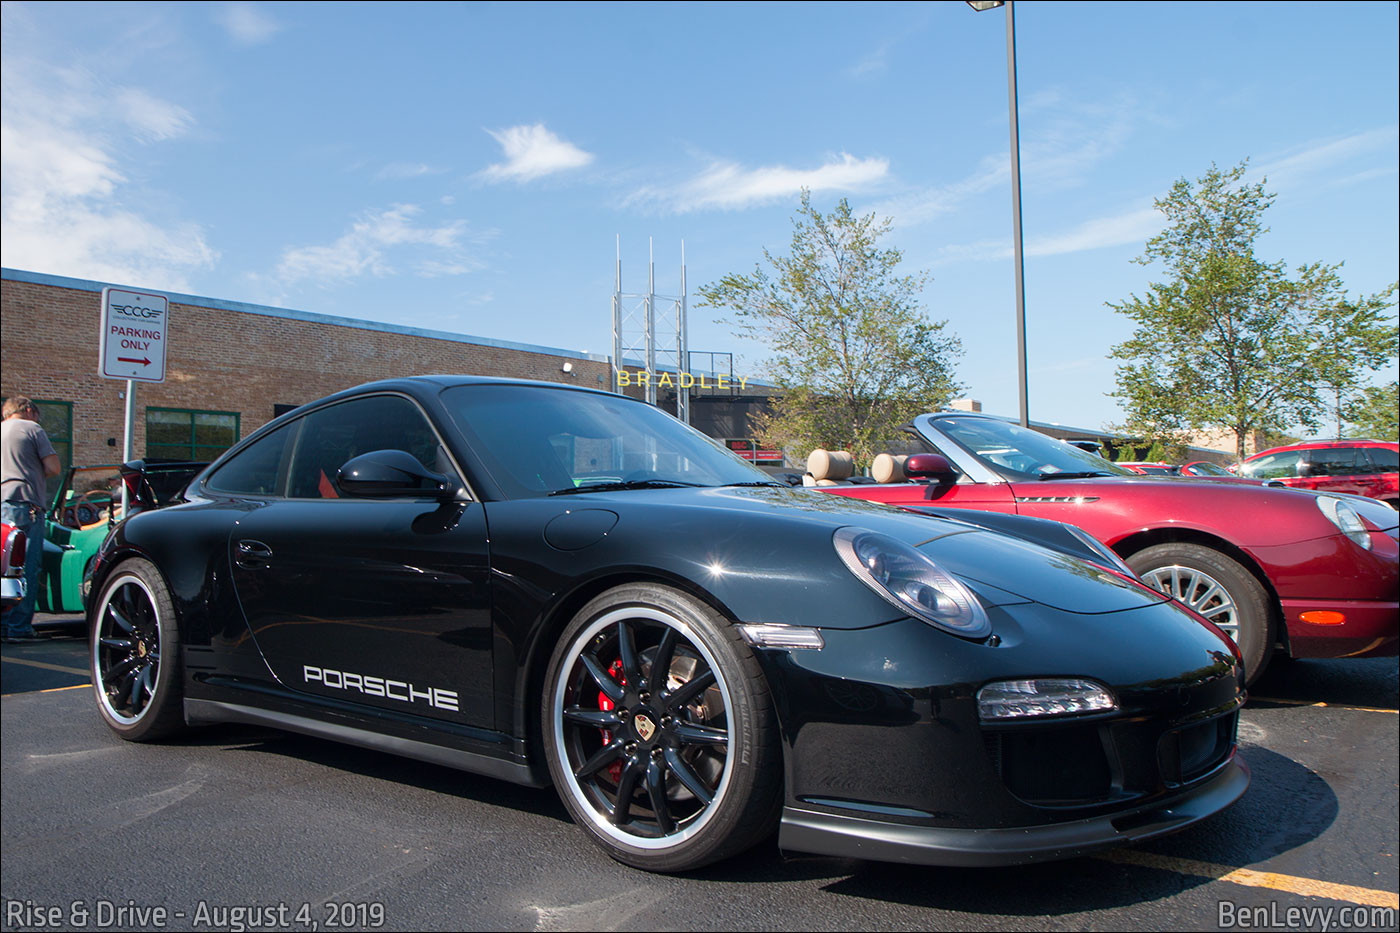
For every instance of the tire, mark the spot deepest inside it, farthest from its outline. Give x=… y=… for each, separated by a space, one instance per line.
x=135 y=652
x=1220 y=589
x=694 y=760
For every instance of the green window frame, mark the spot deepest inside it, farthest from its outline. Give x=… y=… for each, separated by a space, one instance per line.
x=189 y=433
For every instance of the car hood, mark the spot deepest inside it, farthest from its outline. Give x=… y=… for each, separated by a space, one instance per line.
x=1245 y=512
x=1002 y=569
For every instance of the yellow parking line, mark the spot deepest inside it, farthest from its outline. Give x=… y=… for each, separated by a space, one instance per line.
x=1320 y=704
x=47 y=666
x=1304 y=887
x=50 y=690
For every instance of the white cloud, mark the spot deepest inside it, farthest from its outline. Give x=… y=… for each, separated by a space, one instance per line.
x=246 y=24
x=66 y=207
x=1134 y=226
x=729 y=186
x=407 y=170
x=921 y=206
x=877 y=62
x=1328 y=155
x=365 y=249
x=532 y=152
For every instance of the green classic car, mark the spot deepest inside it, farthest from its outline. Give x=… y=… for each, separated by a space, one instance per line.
x=87 y=505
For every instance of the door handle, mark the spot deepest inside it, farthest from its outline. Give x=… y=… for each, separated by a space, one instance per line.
x=252 y=555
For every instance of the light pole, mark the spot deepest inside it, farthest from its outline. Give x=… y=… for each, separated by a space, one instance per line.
x=979 y=6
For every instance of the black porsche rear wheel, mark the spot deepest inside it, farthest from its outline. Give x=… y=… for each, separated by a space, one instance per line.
x=660 y=731
x=135 y=649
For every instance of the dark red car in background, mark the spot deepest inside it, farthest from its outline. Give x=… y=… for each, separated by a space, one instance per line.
x=1363 y=468
x=1312 y=575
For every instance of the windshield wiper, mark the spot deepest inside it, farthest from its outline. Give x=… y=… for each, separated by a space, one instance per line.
x=632 y=484
x=1085 y=474
x=762 y=482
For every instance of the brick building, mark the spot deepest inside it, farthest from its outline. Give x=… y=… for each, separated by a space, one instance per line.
x=230 y=367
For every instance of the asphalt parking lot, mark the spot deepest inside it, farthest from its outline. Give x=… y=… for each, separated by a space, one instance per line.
x=239 y=828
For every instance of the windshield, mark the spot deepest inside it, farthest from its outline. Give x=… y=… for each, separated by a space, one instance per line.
x=1209 y=469
x=537 y=441
x=1020 y=453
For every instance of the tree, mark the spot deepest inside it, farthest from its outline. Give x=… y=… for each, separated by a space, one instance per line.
x=1373 y=414
x=852 y=350
x=1228 y=341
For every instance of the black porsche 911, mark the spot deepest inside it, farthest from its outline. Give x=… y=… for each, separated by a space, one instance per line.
x=551 y=585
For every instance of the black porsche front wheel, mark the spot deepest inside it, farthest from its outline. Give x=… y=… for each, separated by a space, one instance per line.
x=660 y=732
x=135 y=651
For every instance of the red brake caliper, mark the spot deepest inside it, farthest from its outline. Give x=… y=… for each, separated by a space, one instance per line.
x=614 y=769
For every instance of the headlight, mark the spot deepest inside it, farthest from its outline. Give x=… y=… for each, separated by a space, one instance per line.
x=905 y=577
x=1046 y=696
x=1344 y=517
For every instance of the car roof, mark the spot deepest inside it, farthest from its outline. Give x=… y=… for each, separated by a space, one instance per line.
x=1323 y=445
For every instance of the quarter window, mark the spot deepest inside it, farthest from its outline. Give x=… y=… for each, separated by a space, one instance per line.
x=255 y=470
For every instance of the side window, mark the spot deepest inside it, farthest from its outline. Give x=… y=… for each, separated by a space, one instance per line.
x=1337 y=461
x=1385 y=459
x=1274 y=466
x=333 y=435
x=254 y=470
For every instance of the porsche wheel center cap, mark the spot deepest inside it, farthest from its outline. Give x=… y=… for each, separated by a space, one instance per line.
x=644 y=726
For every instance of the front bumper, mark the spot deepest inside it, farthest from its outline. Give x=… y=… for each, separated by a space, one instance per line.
x=887 y=756
x=844 y=836
x=1367 y=629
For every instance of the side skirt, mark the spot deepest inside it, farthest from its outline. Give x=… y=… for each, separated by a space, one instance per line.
x=211 y=711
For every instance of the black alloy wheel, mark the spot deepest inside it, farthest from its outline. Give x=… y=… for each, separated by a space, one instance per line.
x=135 y=654
x=659 y=731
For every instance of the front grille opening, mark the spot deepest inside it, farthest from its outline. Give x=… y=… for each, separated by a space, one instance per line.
x=1053 y=767
x=1195 y=751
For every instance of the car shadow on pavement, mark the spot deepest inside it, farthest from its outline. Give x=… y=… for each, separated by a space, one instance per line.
x=1367 y=682
x=1246 y=834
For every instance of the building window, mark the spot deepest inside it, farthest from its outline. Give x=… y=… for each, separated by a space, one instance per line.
x=56 y=418
x=186 y=434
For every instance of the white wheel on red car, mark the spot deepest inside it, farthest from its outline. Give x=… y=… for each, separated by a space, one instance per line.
x=1217 y=587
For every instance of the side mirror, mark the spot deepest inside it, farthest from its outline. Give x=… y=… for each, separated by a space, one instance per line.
x=391 y=474
x=931 y=466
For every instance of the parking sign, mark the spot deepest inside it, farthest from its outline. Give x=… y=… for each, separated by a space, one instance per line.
x=135 y=326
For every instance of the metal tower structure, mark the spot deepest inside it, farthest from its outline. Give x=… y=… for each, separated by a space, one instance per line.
x=649 y=333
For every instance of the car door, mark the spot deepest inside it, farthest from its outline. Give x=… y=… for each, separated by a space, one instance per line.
x=1337 y=469
x=380 y=603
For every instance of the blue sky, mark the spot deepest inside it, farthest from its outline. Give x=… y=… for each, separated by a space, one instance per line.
x=471 y=168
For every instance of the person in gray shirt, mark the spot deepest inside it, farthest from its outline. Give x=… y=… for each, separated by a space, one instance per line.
x=26 y=458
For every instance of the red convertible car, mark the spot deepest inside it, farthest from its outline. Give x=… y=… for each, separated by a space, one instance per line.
x=1314 y=575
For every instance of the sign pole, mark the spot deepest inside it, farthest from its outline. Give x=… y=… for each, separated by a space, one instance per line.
x=128 y=440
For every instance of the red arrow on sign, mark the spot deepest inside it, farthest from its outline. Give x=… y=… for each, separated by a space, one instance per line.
x=123 y=359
